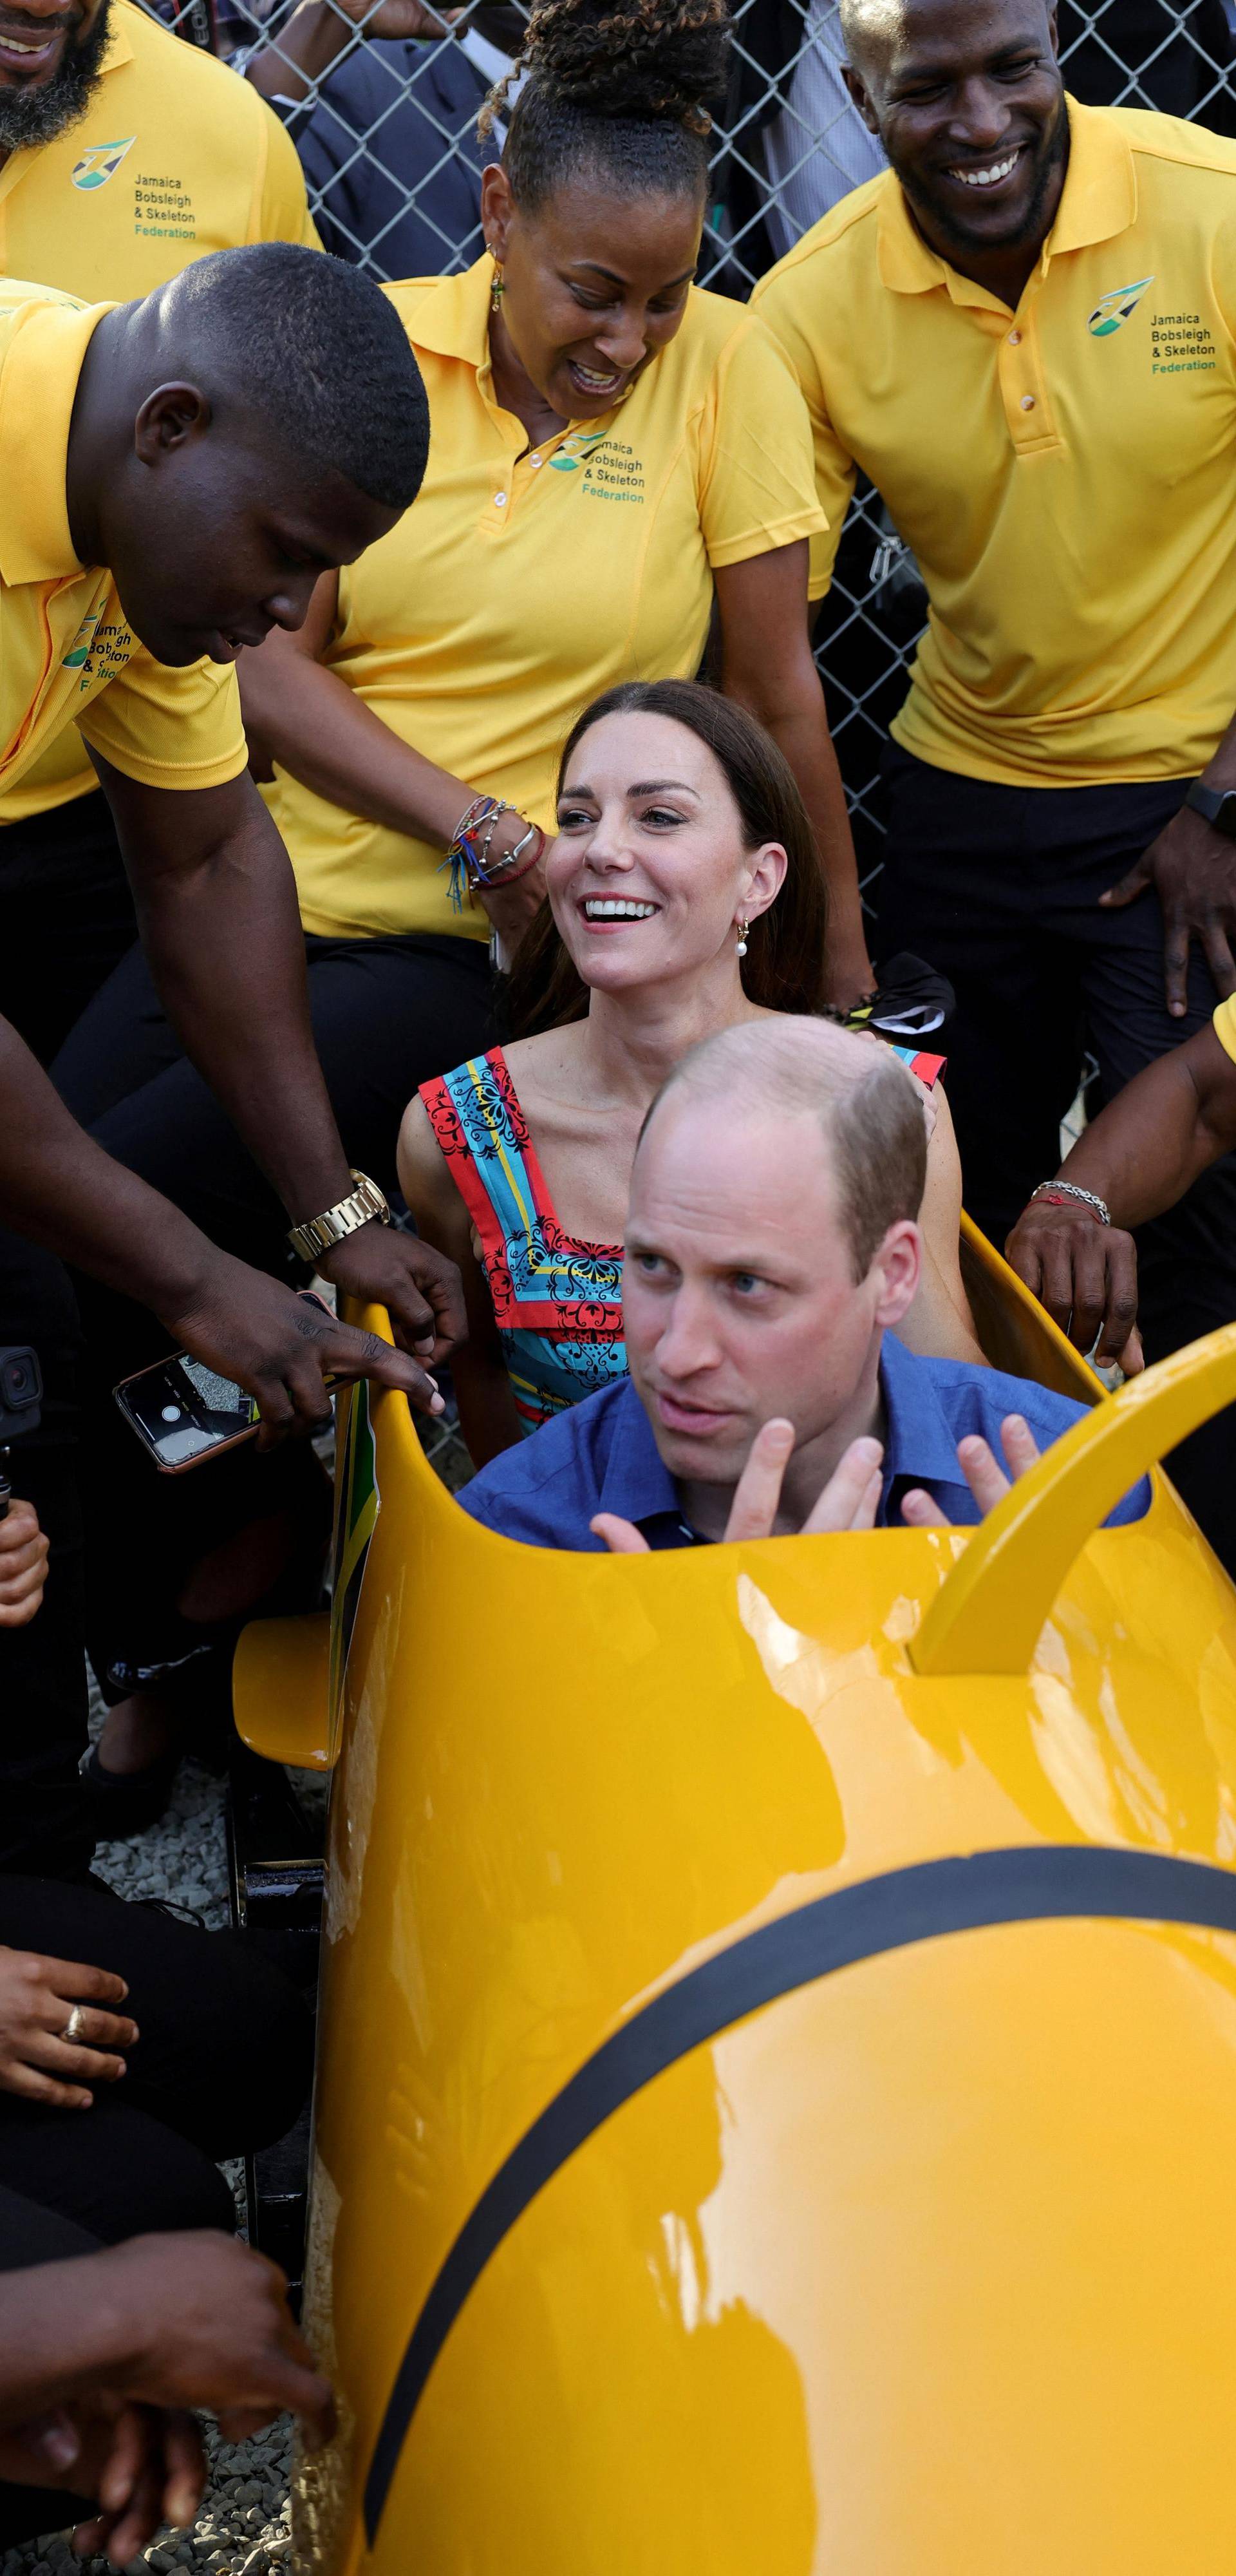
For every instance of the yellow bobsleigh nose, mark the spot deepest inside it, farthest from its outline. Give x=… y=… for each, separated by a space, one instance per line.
x=777 y=2090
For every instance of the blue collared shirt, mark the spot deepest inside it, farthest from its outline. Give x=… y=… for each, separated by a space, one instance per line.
x=600 y=1456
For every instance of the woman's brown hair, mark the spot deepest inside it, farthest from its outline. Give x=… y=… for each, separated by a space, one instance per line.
x=784 y=966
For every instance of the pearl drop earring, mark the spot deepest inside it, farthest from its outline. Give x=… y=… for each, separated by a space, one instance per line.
x=743 y=928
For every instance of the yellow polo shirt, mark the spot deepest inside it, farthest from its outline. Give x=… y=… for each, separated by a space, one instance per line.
x=522 y=582
x=174 y=157
x=1065 y=474
x=66 y=651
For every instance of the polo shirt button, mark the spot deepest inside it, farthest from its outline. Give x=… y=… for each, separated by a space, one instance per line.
x=534 y=460
x=1014 y=339
x=1027 y=404
x=499 y=500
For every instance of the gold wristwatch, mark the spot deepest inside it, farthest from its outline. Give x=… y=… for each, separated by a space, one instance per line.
x=319 y=1234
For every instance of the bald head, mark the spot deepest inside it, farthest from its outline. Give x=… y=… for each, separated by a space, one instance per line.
x=860 y=1097
x=870 y=29
x=968 y=101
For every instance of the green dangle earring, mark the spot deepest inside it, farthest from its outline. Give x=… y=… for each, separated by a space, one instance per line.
x=498 y=286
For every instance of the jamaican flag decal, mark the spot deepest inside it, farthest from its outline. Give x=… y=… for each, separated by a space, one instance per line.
x=356 y=1512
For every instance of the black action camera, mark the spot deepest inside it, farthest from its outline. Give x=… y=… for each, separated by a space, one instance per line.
x=21 y=1391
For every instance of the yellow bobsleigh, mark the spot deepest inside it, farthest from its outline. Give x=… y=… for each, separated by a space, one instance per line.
x=777 y=2092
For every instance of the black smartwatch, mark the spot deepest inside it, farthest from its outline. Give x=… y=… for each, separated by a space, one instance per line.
x=1217 y=805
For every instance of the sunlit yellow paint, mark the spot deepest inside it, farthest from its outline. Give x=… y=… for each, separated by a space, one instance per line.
x=926 y=2270
x=279 y=1690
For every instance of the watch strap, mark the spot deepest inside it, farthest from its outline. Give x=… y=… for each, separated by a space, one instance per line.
x=1216 y=805
x=319 y=1234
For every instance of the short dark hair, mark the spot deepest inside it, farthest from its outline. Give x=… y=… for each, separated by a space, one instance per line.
x=865 y=1102
x=320 y=351
x=615 y=90
x=784 y=967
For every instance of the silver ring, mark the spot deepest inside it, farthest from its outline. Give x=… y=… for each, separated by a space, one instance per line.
x=75 y=2024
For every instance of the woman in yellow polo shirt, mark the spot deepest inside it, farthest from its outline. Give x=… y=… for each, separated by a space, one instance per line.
x=613 y=454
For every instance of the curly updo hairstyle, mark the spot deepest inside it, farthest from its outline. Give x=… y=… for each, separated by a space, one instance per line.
x=616 y=90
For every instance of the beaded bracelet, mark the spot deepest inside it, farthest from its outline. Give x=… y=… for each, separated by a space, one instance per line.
x=467 y=857
x=464 y=862
x=500 y=884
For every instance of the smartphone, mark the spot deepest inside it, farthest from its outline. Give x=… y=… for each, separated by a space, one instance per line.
x=21 y=1390
x=184 y=1412
x=21 y=1395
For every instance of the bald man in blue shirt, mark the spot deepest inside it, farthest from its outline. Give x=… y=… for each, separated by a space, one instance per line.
x=772 y=1249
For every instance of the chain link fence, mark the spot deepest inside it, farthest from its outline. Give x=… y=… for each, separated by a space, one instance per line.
x=387 y=135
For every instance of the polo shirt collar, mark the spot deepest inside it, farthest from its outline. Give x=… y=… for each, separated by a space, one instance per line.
x=118 y=49
x=38 y=382
x=1100 y=188
x=636 y=1484
x=1099 y=200
x=920 y=1447
x=453 y=321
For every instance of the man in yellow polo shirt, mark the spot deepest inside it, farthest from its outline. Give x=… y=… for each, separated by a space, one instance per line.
x=174 y=477
x=125 y=154
x=1023 y=332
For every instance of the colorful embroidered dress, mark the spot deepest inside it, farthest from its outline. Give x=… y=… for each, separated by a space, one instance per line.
x=557 y=1301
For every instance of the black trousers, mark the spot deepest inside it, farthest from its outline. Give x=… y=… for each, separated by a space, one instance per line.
x=387 y=1013
x=68 y=917
x=68 y=920
x=222 y=2064
x=999 y=887
x=43 y=1815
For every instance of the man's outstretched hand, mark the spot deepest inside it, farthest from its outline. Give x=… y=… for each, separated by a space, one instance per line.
x=283 y=1350
x=102 y=2355
x=850 y=1499
x=144 y=2466
x=214 y=2329
x=1193 y=870
x=421 y=1290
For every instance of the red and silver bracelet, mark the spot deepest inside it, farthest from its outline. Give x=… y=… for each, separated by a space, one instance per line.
x=1059 y=1194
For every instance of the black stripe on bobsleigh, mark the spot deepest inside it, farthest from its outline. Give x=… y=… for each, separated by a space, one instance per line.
x=935 y=1897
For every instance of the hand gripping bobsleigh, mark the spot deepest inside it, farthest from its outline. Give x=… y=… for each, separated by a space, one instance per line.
x=777 y=2094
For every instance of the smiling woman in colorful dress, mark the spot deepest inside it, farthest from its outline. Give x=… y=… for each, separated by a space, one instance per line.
x=684 y=898
x=614 y=455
